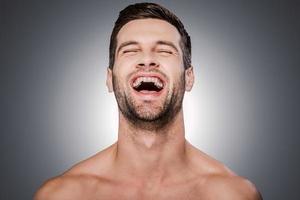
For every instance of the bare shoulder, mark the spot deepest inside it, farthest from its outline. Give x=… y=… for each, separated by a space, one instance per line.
x=230 y=187
x=58 y=187
x=71 y=186
x=81 y=179
x=217 y=181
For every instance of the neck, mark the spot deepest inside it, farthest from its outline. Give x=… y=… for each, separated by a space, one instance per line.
x=151 y=153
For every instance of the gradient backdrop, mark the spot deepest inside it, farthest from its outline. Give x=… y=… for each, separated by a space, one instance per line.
x=243 y=110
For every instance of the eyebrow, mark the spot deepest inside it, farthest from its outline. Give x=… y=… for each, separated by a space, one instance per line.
x=160 y=42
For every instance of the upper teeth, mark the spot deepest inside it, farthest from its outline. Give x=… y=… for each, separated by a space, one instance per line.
x=154 y=80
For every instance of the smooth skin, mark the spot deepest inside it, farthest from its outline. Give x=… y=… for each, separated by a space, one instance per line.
x=149 y=164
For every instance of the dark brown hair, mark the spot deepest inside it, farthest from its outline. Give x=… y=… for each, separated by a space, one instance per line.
x=155 y=11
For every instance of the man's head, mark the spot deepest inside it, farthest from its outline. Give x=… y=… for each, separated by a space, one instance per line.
x=148 y=70
x=150 y=11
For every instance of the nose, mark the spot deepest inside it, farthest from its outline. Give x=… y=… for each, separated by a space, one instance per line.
x=148 y=60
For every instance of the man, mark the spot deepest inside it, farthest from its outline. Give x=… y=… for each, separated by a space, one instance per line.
x=149 y=72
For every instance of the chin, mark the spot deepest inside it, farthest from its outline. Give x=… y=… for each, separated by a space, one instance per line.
x=149 y=114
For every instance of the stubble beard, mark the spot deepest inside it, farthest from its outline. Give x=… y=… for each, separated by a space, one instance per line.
x=149 y=118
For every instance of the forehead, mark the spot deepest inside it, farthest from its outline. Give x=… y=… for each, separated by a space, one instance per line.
x=148 y=31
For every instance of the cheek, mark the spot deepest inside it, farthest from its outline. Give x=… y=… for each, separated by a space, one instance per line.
x=177 y=81
x=124 y=69
x=174 y=70
x=172 y=64
x=121 y=80
x=126 y=62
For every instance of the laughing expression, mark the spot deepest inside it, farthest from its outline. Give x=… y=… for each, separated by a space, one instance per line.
x=148 y=76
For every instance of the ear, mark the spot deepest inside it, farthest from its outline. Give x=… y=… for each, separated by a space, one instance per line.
x=189 y=78
x=109 y=83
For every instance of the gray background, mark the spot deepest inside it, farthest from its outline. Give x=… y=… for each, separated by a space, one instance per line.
x=243 y=110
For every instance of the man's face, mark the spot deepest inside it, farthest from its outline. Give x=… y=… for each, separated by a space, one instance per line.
x=148 y=76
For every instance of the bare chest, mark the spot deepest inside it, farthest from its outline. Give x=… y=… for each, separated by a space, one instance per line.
x=181 y=192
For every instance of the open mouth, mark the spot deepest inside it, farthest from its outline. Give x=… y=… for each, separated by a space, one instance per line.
x=146 y=84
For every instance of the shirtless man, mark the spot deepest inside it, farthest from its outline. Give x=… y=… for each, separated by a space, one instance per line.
x=150 y=70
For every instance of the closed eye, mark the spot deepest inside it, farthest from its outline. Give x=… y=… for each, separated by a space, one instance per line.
x=130 y=51
x=165 y=51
